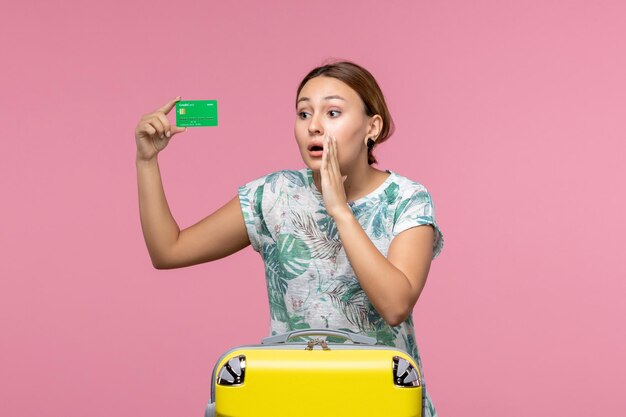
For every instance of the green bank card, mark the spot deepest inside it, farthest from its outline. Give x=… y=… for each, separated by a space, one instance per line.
x=191 y=113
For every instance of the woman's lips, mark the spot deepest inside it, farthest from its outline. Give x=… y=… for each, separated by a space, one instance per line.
x=316 y=151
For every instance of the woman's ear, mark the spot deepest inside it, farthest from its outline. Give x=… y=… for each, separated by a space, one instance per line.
x=375 y=126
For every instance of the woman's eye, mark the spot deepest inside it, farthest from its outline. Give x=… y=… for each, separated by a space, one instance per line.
x=302 y=114
x=334 y=111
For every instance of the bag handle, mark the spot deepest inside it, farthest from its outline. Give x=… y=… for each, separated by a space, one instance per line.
x=354 y=337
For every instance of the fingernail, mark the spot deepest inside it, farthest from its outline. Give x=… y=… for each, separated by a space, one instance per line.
x=167 y=134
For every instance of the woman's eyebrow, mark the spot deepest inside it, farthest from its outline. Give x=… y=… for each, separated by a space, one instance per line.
x=325 y=98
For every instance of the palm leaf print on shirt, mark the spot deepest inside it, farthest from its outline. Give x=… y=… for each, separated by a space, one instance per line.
x=380 y=219
x=293 y=254
x=348 y=296
x=284 y=261
x=421 y=198
x=258 y=209
x=320 y=245
x=294 y=178
x=276 y=283
x=372 y=214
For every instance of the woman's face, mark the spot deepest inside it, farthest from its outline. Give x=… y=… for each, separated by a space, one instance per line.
x=327 y=105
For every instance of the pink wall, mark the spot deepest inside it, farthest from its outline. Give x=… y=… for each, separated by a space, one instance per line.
x=511 y=113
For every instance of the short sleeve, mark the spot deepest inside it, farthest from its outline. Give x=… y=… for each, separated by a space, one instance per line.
x=417 y=210
x=251 y=202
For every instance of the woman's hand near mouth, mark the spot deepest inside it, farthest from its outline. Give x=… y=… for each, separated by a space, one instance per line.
x=333 y=191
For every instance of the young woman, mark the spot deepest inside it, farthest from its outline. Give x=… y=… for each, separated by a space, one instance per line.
x=342 y=242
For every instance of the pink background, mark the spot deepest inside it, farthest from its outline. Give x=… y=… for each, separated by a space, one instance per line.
x=511 y=113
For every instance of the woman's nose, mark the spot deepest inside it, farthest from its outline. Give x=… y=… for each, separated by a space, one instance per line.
x=315 y=126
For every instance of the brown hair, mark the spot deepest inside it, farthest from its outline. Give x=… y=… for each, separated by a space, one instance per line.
x=361 y=81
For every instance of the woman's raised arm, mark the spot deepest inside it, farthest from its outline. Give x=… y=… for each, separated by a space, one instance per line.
x=216 y=236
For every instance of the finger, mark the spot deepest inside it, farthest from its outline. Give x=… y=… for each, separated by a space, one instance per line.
x=329 y=153
x=169 y=105
x=147 y=127
x=324 y=151
x=338 y=168
x=158 y=141
x=176 y=129
x=331 y=156
x=334 y=164
x=166 y=123
x=168 y=129
x=153 y=135
x=324 y=180
x=156 y=123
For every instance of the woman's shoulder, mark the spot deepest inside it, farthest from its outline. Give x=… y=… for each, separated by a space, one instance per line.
x=407 y=186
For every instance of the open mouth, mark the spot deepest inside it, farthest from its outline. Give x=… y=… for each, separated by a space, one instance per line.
x=316 y=151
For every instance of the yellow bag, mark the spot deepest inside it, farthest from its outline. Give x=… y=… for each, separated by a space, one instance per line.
x=295 y=379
